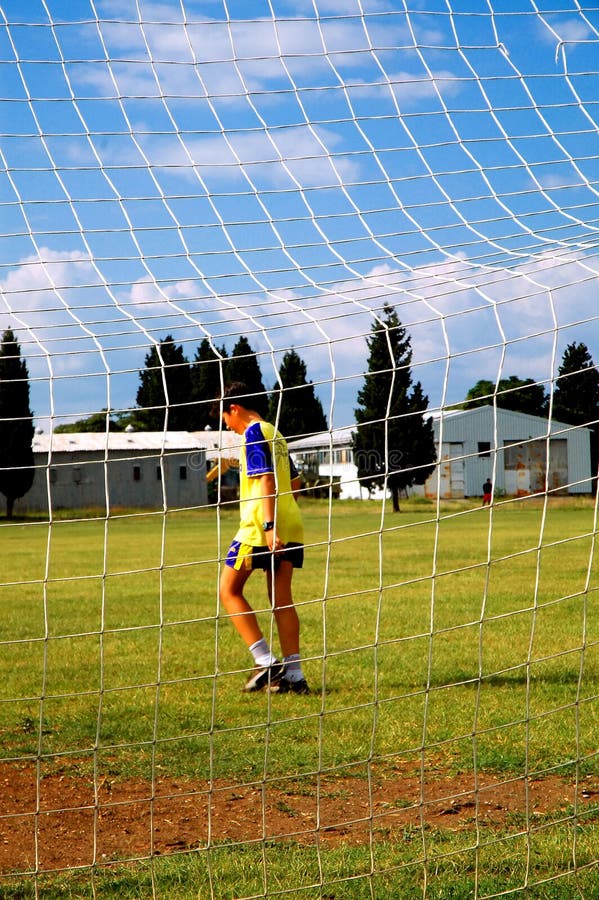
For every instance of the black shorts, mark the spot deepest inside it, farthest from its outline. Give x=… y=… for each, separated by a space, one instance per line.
x=242 y=556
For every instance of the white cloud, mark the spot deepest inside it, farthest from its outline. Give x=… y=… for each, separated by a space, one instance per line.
x=475 y=323
x=569 y=29
x=37 y=280
x=279 y=158
x=479 y=317
x=456 y=314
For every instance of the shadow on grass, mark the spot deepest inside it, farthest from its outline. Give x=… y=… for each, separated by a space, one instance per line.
x=505 y=679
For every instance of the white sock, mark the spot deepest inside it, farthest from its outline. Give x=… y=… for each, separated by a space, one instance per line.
x=293 y=668
x=262 y=655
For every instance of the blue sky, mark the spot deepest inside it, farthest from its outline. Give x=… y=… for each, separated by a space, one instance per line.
x=280 y=170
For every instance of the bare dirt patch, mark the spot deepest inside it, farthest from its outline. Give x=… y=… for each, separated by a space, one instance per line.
x=61 y=821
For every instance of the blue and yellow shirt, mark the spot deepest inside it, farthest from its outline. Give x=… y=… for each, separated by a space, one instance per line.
x=264 y=450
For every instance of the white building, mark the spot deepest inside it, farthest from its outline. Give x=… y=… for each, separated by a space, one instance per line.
x=144 y=469
x=326 y=462
x=522 y=454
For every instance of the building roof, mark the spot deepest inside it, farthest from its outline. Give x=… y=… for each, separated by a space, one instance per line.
x=342 y=437
x=88 y=442
x=541 y=422
x=221 y=442
x=336 y=437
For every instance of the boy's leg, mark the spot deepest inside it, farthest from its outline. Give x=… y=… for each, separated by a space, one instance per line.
x=286 y=617
x=268 y=668
x=244 y=619
x=288 y=626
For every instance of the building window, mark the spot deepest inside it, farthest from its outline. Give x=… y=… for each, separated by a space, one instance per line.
x=136 y=473
x=183 y=473
x=77 y=475
x=484 y=449
x=158 y=473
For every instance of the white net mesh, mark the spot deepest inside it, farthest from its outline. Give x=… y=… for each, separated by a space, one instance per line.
x=278 y=170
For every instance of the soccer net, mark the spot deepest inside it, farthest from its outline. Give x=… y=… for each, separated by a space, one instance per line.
x=192 y=184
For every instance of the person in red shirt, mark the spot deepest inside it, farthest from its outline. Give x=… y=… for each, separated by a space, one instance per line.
x=487 y=492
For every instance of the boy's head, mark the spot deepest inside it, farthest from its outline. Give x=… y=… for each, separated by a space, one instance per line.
x=236 y=392
x=239 y=394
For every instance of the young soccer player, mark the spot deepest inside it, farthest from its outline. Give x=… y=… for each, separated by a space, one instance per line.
x=270 y=537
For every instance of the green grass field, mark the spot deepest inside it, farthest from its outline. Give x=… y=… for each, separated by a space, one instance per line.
x=433 y=641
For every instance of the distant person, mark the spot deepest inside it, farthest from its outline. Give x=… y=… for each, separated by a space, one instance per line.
x=270 y=537
x=487 y=492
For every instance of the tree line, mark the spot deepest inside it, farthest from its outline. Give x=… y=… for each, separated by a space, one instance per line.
x=178 y=395
x=393 y=441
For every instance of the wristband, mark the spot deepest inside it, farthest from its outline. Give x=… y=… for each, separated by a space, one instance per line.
x=268 y=526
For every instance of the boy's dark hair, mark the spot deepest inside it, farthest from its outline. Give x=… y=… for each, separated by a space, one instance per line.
x=238 y=392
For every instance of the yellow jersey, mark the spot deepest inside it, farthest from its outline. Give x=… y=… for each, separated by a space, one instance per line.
x=264 y=451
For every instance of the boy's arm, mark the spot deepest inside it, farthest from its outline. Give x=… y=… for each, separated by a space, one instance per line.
x=219 y=469
x=268 y=493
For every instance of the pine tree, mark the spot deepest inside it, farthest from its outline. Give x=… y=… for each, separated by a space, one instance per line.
x=576 y=398
x=208 y=376
x=296 y=409
x=243 y=366
x=420 y=438
x=16 y=423
x=165 y=367
x=393 y=437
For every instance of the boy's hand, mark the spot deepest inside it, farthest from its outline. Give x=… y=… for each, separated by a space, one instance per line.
x=273 y=542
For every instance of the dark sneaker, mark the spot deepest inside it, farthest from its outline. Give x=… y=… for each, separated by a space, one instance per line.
x=284 y=686
x=264 y=677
